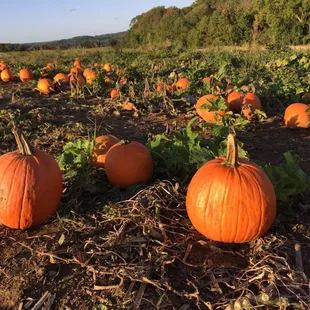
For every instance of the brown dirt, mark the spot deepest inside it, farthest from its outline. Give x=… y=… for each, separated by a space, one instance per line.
x=144 y=250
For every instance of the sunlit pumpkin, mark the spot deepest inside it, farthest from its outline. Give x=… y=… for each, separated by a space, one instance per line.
x=25 y=75
x=3 y=65
x=45 y=86
x=231 y=199
x=6 y=75
x=296 y=116
x=91 y=77
x=49 y=66
x=77 y=63
x=77 y=80
x=182 y=84
x=61 y=78
x=114 y=94
x=205 y=113
x=252 y=99
x=101 y=148
x=31 y=185
x=107 y=67
x=76 y=70
x=128 y=163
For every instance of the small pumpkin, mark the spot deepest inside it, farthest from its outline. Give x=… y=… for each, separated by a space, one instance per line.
x=3 y=65
x=49 y=66
x=60 y=78
x=231 y=200
x=101 y=148
x=206 y=114
x=77 y=63
x=30 y=187
x=6 y=75
x=91 y=77
x=107 y=67
x=25 y=75
x=206 y=80
x=45 y=86
x=76 y=70
x=296 y=116
x=235 y=100
x=114 y=94
x=76 y=79
x=182 y=84
x=128 y=163
x=252 y=99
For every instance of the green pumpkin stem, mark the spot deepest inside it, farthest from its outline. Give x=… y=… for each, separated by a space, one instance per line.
x=23 y=144
x=232 y=158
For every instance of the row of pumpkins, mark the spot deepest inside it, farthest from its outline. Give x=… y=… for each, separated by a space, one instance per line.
x=215 y=208
x=296 y=114
x=77 y=76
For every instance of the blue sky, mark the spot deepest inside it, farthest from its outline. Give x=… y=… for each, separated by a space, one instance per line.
x=35 y=21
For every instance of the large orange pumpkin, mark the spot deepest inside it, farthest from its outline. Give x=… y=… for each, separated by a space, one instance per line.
x=101 y=148
x=231 y=200
x=25 y=75
x=30 y=185
x=295 y=116
x=45 y=86
x=205 y=114
x=6 y=75
x=235 y=100
x=127 y=164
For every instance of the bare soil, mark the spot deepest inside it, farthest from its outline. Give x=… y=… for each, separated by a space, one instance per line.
x=141 y=252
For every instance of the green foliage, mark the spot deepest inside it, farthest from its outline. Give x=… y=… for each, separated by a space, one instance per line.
x=289 y=180
x=181 y=153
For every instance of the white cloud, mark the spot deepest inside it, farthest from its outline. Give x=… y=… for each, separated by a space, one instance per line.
x=70 y=9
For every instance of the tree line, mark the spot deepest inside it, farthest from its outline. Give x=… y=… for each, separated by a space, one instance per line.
x=223 y=22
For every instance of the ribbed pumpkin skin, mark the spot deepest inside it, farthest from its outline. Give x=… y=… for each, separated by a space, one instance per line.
x=231 y=205
x=30 y=189
x=128 y=164
x=103 y=144
x=295 y=116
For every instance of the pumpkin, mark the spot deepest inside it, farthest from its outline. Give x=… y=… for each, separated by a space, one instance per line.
x=235 y=100
x=45 y=86
x=231 y=200
x=295 y=116
x=77 y=63
x=25 y=75
x=60 y=78
x=247 y=112
x=86 y=72
x=205 y=114
x=49 y=66
x=101 y=148
x=114 y=93
x=77 y=79
x=6 y=75
x=251 y=98
x=76 y=70
x=206 y=80
x=3 y=65
x=107 y=80
x=107 y=67
x=182 y=84
x=128 y=163
x=30 y=186
x=91 y=77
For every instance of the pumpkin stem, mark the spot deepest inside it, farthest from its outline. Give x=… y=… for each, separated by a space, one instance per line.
x=232 y=150
x=23 y=144
x=124 y=142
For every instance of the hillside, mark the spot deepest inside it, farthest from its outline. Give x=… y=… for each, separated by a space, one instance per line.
x=79 y=41
x=223 y=22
